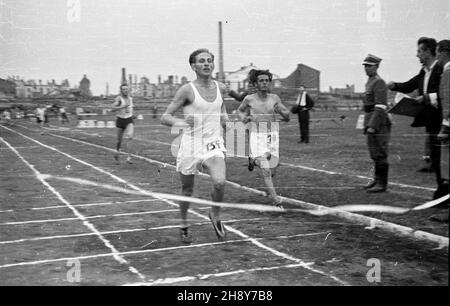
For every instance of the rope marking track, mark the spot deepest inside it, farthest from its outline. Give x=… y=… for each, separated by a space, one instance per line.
x=251 y=206
x=370 y=222
x=115 y=252
x=237 y=232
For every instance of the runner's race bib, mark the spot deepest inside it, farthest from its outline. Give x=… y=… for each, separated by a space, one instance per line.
x=218 y=144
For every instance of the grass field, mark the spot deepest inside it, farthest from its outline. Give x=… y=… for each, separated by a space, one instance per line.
x=48 y=226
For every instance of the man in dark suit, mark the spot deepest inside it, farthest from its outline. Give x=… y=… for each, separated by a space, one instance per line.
x=427 y=83
x=304 y=104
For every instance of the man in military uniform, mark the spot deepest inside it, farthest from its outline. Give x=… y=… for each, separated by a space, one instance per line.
x=377 y=125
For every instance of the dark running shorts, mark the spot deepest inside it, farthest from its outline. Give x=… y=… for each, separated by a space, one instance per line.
x=122 y=123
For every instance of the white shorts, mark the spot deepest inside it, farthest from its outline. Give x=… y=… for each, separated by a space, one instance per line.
x=193 y=153
x=262 y=143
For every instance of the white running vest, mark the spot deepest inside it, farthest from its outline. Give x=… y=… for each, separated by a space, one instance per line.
x=207 y=125
x=125 y=112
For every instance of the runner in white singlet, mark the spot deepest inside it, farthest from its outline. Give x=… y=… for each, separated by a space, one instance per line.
x=123 y=107
x=201 y=144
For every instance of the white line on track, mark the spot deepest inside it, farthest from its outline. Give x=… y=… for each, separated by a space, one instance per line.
x=174 y=280
x=76 y=205
x=137 y=252
x=89 y=225
x=91 y=217
x=119 y=231
x=237 y=232
x=370 y=222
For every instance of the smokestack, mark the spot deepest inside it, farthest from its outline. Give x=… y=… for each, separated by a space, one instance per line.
x=107 y=89
x=135 y=79
x=130 y=80
x=221 y=72
x=124 y=77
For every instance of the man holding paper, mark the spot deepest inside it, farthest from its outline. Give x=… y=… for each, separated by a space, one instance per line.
x=377 y=124
x=427 y=83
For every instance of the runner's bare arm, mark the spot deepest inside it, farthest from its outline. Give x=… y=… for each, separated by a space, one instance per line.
x=224 y=119
x=223 y=114
x=182 y=97
x=281 y=109
x=244 y=110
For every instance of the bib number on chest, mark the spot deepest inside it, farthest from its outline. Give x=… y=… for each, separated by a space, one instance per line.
x=215 y=145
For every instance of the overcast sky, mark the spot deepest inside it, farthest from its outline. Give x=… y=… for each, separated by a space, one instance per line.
x=42 y=39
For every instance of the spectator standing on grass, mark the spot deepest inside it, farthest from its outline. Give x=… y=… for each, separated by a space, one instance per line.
x=304 y=104
x=7 y=116
x=377 y=125
x=63 y=115
x=48 y=108
x=40 y=116
x=427 y=83
x=443 y=52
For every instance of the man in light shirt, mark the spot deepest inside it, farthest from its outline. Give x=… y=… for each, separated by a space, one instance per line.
x=304 y=104
x=444 y=134
x=427 y=84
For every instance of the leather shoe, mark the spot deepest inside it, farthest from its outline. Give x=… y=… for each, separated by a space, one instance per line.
x=426 y=169
x=371 y=184
x=378 y=188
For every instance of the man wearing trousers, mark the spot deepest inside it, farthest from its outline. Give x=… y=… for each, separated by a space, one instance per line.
x=377 y=125
x=304 y=104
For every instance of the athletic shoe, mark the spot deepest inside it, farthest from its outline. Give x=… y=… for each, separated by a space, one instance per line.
x=129 y=160
x=218 y=227
x=185 y=235
x=277 y=202
x=116 y=156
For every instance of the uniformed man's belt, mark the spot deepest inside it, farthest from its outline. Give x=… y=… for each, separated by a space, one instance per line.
x=371 y=108
x=382 y=106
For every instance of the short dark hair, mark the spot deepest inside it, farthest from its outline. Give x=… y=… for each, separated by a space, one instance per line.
x=256 y=73
x=429 y=44
x=444 y=46
x=193 y=56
